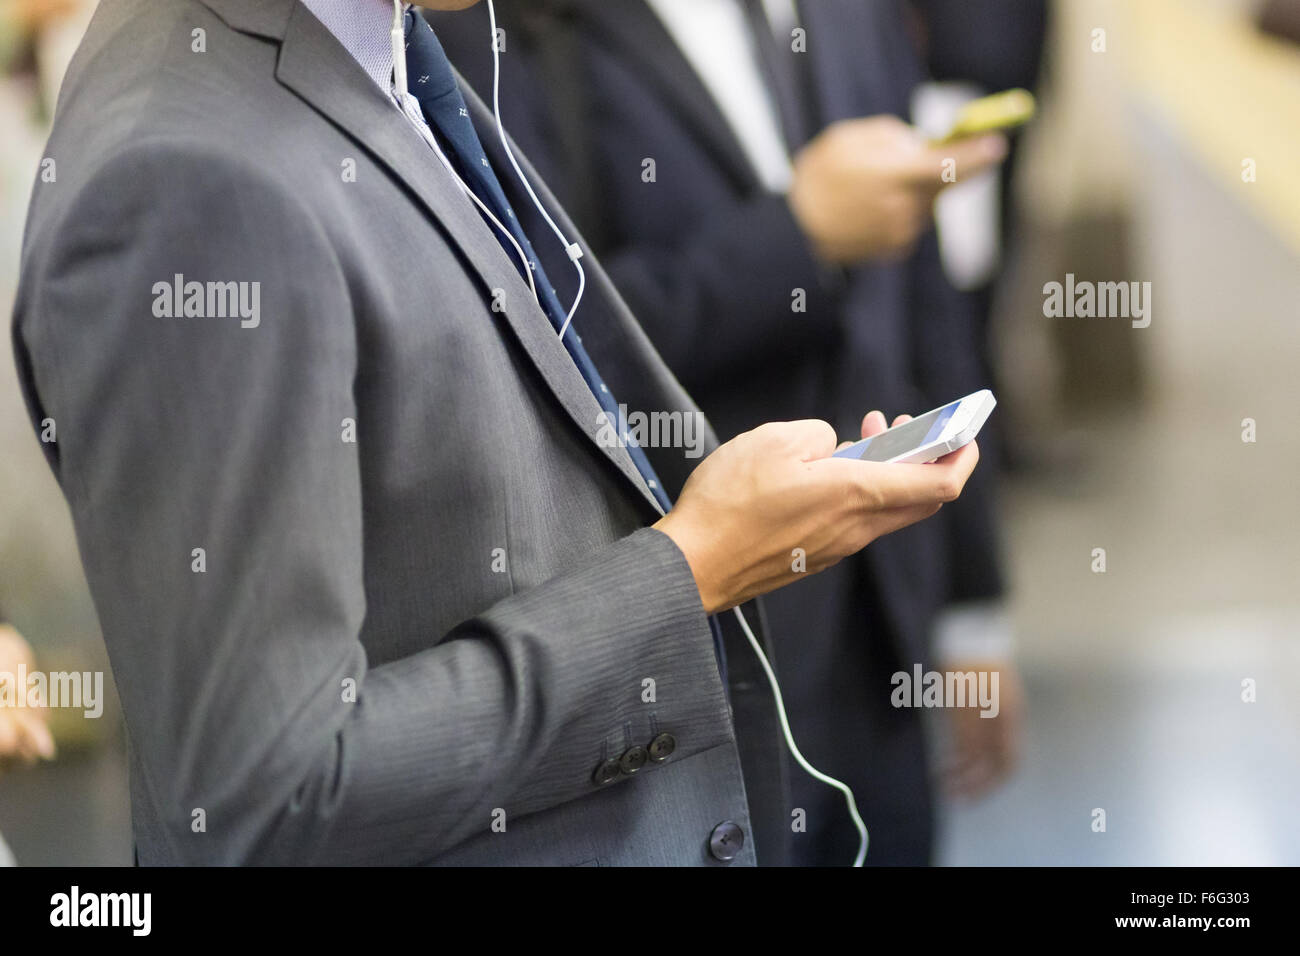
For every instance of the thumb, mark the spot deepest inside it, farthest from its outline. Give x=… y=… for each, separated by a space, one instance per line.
x=809 y=439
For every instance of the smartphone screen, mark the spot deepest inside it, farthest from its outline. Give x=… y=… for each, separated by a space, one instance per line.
x=907 y=437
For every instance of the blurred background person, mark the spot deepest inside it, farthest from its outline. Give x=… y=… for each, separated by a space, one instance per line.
x=747 y=174
x=24 y=736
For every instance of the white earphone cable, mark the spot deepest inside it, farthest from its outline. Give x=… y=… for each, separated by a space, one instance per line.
x=573 y=250
x=519 y=250
x=398 y=39
x=863 y=836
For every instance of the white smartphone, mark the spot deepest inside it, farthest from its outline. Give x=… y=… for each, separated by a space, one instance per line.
x=928 y=436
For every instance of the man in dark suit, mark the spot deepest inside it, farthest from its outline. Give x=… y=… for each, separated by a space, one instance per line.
x=781 y=296
x=375 y=585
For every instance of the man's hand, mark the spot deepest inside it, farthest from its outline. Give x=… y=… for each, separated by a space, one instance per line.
x=864 y=188
x=985 y=750
x=23 y=734
x=773 y=499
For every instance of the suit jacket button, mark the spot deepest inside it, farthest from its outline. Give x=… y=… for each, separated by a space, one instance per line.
x=606 y=773
x=726 y=841
x=661 y=747
x=633 y=759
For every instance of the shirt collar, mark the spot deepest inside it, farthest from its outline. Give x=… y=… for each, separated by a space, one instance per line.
x=364 y=28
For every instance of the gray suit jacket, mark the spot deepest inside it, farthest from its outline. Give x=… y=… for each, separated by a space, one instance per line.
x=373 y=589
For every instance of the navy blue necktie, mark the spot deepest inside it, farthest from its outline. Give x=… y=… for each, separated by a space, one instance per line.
x=433 y=83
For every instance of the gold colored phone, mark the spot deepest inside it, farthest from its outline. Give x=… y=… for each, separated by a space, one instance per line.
x=1005 y=110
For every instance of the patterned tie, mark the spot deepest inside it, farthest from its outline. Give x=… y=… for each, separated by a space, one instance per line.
x=433 y=83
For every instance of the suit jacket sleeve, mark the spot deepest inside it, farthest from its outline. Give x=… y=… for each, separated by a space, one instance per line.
x=235 y=662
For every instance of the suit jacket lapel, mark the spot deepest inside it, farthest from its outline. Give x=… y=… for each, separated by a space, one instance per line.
x=314 y=66
x=642 y=39
x=856 y=37
x=825 y=65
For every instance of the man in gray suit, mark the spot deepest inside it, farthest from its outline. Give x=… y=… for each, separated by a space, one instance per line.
x=376 y=585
